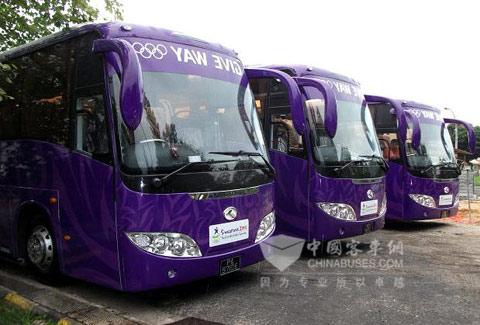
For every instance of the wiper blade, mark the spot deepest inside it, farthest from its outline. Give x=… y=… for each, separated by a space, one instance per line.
x=164 y=179
x=445 y=164
x=351 y=162
x=384 y=162
x=245 y=153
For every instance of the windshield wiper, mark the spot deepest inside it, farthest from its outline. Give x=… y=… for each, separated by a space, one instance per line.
x=351 y=162
x=246 y=153
x=162 y=181
x=383 y=161
x=444 y=164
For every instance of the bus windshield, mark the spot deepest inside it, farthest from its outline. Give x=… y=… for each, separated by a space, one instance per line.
x=355 y=139
x=187 y=118
x=435 y=148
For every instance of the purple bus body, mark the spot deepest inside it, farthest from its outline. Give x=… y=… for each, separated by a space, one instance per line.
x=400 y=181
x=95 y=208
x=299 y=186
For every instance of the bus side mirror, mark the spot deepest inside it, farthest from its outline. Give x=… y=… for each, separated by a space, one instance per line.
x=294 y=95
x=330 y=102
x=131 y=96
x=416 y=136
x=472 y=140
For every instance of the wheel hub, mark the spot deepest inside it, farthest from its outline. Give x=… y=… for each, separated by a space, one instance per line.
x=40 y=248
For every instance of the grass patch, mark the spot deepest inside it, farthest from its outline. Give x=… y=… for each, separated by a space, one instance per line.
x=476 y=180
x=12 y=315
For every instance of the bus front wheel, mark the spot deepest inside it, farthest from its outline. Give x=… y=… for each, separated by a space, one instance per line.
x=41 y=249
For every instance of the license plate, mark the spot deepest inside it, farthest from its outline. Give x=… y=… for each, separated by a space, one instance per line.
x=445 y=214
x=229 y=265
x=368 y=207
x=445 y=199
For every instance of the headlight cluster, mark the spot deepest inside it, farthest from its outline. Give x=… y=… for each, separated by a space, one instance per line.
x=267 y=225
x=425 y=200
x=166 y=243
x=383 y=207
x=338 y=210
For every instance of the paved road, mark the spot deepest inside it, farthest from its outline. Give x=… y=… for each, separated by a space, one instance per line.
x=436 y=279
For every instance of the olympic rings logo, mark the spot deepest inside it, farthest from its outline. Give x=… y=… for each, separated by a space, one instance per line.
x=149 y=50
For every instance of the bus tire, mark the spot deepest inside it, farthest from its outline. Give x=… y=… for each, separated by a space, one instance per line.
x=41 y=251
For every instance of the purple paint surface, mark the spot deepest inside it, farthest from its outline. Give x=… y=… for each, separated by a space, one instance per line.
x=299 y=186
x=96 y=209
x=401 y=183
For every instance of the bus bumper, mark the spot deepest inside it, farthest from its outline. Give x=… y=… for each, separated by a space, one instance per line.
x=415 y=211
x=329 y=228
x=144 y=271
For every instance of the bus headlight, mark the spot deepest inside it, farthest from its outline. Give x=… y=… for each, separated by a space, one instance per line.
x=267 y=225
x=425 y=200
x=338 y=210
x=165 y=243
x=383 y=207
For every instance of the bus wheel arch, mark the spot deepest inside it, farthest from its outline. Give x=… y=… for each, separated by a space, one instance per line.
x=34 y=219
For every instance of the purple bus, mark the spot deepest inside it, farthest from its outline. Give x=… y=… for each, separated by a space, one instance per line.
x=422 y=182
x=322 y=143
x=131 y=157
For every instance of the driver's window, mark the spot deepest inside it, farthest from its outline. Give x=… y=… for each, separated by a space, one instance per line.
x=91 y=125
x=90 y=121
x=386 y=125
x=272 y=103
x=283 y=135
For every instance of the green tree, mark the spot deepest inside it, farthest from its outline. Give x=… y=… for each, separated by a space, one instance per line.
x=22 y=21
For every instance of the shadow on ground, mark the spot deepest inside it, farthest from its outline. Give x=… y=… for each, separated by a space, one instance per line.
x=198 y=290
x=413 y=226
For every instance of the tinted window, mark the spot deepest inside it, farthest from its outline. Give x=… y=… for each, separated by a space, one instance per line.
x=271 y=99
x=91 y=127
x=39 y=105
x=90 y=122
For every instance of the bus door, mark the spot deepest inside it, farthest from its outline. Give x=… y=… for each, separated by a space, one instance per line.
x=88 y=214
x=388 y=136
x=287 y=153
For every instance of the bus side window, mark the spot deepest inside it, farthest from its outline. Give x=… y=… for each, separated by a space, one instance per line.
x=284 y=137
x=91 y=128
x=273 y=108
x=90 y=125
x=387 y=128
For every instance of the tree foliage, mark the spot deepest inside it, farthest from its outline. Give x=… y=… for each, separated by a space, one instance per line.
x=22 y=21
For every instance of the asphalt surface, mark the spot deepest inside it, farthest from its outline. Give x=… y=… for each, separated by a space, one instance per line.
x=433 y=276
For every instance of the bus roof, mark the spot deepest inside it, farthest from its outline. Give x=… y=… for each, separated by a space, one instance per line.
x=412 y=104
x=114 y=30
x=299 y=70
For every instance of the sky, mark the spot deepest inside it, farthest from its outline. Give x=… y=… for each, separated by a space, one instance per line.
x=426 y=51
